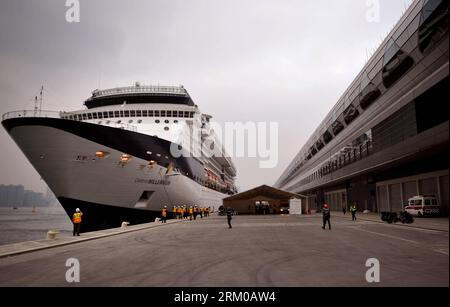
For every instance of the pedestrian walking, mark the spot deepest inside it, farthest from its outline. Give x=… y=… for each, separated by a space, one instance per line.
x=353 y=211
x=229 y=217
x=326 y=216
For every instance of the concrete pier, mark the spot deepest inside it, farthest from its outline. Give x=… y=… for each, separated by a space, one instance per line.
x=260 y=251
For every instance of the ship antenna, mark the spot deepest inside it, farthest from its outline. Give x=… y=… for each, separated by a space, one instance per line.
x=35 y=105
x=40 y=98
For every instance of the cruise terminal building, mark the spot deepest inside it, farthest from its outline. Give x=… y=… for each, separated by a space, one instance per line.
x=387 y=137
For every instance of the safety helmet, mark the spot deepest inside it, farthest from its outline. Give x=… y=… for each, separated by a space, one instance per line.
x=77 y=209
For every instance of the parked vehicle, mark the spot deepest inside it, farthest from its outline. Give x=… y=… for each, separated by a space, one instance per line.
x=284 y=210
x=392 y=217
x=423 y=205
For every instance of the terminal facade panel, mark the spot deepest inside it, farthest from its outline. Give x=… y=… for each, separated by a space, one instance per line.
x=386 y=139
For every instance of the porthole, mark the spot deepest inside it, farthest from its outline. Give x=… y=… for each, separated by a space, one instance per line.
x=157 y=121
x=166 y=128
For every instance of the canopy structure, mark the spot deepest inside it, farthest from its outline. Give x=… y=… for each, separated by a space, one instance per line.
x=263 y=200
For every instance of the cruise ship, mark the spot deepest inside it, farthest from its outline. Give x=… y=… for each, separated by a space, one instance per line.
x=130 y=152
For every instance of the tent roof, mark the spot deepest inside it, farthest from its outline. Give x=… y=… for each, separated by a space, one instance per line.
x=264 y=190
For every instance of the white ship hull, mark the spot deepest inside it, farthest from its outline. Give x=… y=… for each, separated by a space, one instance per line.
x=105 y=189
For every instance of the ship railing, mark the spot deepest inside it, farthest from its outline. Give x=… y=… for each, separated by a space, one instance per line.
x=32 y=113
x=140 y=89
x=57 y=114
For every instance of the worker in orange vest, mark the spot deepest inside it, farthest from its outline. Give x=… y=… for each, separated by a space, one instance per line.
x=174 y=212
x=76 y=219
x=191 y=213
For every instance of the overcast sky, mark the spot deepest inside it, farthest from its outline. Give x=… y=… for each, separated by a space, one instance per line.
x=286 y=61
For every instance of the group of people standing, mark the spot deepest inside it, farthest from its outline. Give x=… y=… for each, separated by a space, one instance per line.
x=185 y=212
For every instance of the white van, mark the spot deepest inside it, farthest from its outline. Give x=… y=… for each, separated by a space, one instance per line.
x=423 y=205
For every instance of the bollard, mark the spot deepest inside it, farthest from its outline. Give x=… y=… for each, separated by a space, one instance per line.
x=51 y=234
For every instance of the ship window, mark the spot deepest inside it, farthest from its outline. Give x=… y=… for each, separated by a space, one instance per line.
x=166 y=128
x=116 y=114
x=191 y=115
x=157 y=121
x=169 y=113
x=130 y=121
x=94 y=115
x=156 y=113
x=175 y=121
x=100 y=115
x=150 y=113
x=144 y=113
x=108 y=122
x=163 y=113
x=105 y=114
x=126 y=113
x=138 y=113
x=139 y=121
x=166 y=121
x=111 y=114
x=121 y=113
x=89 y=115
x=119 y=121
x=132 y=113
x=186 y=114
x=84 y=116
x=99 y=122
